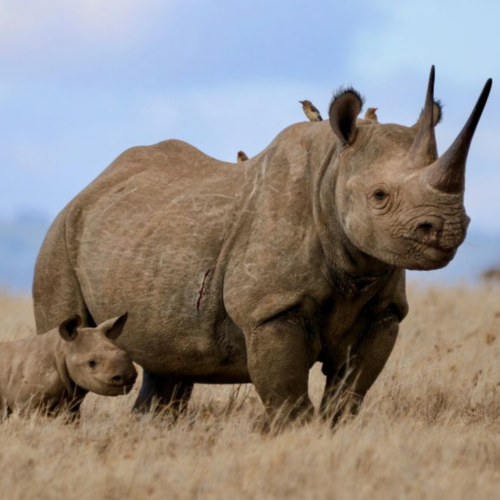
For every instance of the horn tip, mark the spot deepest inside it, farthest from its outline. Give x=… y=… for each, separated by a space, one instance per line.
x=486 y=89
x=432 y=78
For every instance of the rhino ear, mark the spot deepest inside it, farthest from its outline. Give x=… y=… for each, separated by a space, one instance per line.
x=437 y=114
x=112 y=328
x=344 y=109
x=68 y=329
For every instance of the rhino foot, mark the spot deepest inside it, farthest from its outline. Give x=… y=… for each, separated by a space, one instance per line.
x=275 y=423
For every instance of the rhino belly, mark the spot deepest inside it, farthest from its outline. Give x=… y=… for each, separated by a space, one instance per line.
x=188 y=353
x=177 y=323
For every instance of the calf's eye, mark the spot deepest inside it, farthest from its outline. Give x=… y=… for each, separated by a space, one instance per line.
x=92 y=364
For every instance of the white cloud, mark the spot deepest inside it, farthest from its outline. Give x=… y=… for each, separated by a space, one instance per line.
x=31 y=26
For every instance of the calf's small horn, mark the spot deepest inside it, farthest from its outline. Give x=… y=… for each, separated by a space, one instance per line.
x=447 y=173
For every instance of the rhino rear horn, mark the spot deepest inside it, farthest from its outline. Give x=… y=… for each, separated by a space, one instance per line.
x=344 y=109
x=447 y=174
x=424 y=149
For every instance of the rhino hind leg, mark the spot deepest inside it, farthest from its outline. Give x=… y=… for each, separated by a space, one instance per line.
x=55 y=306
x=56 y=290
x=164 y=395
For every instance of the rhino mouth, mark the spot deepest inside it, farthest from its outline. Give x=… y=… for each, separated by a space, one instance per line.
x=443 y=245
x=112 y=389
x=439 y=251
x=433 y=256
x=117 y=390
x=429 y=255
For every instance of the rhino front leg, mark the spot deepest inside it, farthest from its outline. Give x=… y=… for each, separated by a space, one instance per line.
x=163 y=394
x=280 y=355
x=347 y=385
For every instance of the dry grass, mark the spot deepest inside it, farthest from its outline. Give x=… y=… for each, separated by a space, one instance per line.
x=430 y=428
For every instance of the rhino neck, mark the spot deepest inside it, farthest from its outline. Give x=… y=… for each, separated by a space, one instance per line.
x=341 y=254
x=73 y=391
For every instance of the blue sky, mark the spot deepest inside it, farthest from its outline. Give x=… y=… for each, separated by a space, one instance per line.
x=82 y=80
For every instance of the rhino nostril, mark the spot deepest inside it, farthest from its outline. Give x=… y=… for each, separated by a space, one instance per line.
x=425 y=227
x=428 y=231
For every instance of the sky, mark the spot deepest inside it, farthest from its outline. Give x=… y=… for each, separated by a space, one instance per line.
x=82 y=81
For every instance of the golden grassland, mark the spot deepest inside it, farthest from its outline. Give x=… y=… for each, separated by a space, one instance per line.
x=430 y=428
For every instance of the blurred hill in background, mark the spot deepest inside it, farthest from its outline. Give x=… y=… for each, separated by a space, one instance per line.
x=20 y=240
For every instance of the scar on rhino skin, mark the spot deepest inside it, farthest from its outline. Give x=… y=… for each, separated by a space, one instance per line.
x=201 y=292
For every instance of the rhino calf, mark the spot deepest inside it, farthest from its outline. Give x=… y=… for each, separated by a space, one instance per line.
x=55 y=371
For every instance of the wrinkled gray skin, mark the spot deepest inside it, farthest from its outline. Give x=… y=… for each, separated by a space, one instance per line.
x=253 y=275
x=55 y=371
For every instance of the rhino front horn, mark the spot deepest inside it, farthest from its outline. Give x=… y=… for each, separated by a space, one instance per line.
x=447 y=174
x=424 y=150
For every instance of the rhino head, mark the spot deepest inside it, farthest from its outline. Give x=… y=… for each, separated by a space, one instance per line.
x=396 y=199
x=92 y=361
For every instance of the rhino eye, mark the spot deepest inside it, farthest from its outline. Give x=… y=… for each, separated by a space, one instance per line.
x=380 y=195
x=92 y=363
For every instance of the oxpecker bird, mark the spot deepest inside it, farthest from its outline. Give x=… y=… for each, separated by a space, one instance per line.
x=310 y=111
x=371 y=115
x=241 y=157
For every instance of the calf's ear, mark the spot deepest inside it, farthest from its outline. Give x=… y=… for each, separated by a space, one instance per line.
x=344 y=109
x=112 y=328
x=68 y=329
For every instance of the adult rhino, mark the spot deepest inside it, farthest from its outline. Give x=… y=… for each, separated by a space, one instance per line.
x=237 y=275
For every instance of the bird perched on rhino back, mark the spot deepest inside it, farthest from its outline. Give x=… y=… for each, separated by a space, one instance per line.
x=241 y=157
x=311 y=111
x=371 y=115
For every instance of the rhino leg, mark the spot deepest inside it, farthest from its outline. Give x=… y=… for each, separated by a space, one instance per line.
x=280 y=355
x=347 y=385
x=163 y=395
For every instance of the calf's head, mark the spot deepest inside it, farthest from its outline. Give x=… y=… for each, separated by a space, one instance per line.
x=93 y=362
x=396 y=199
